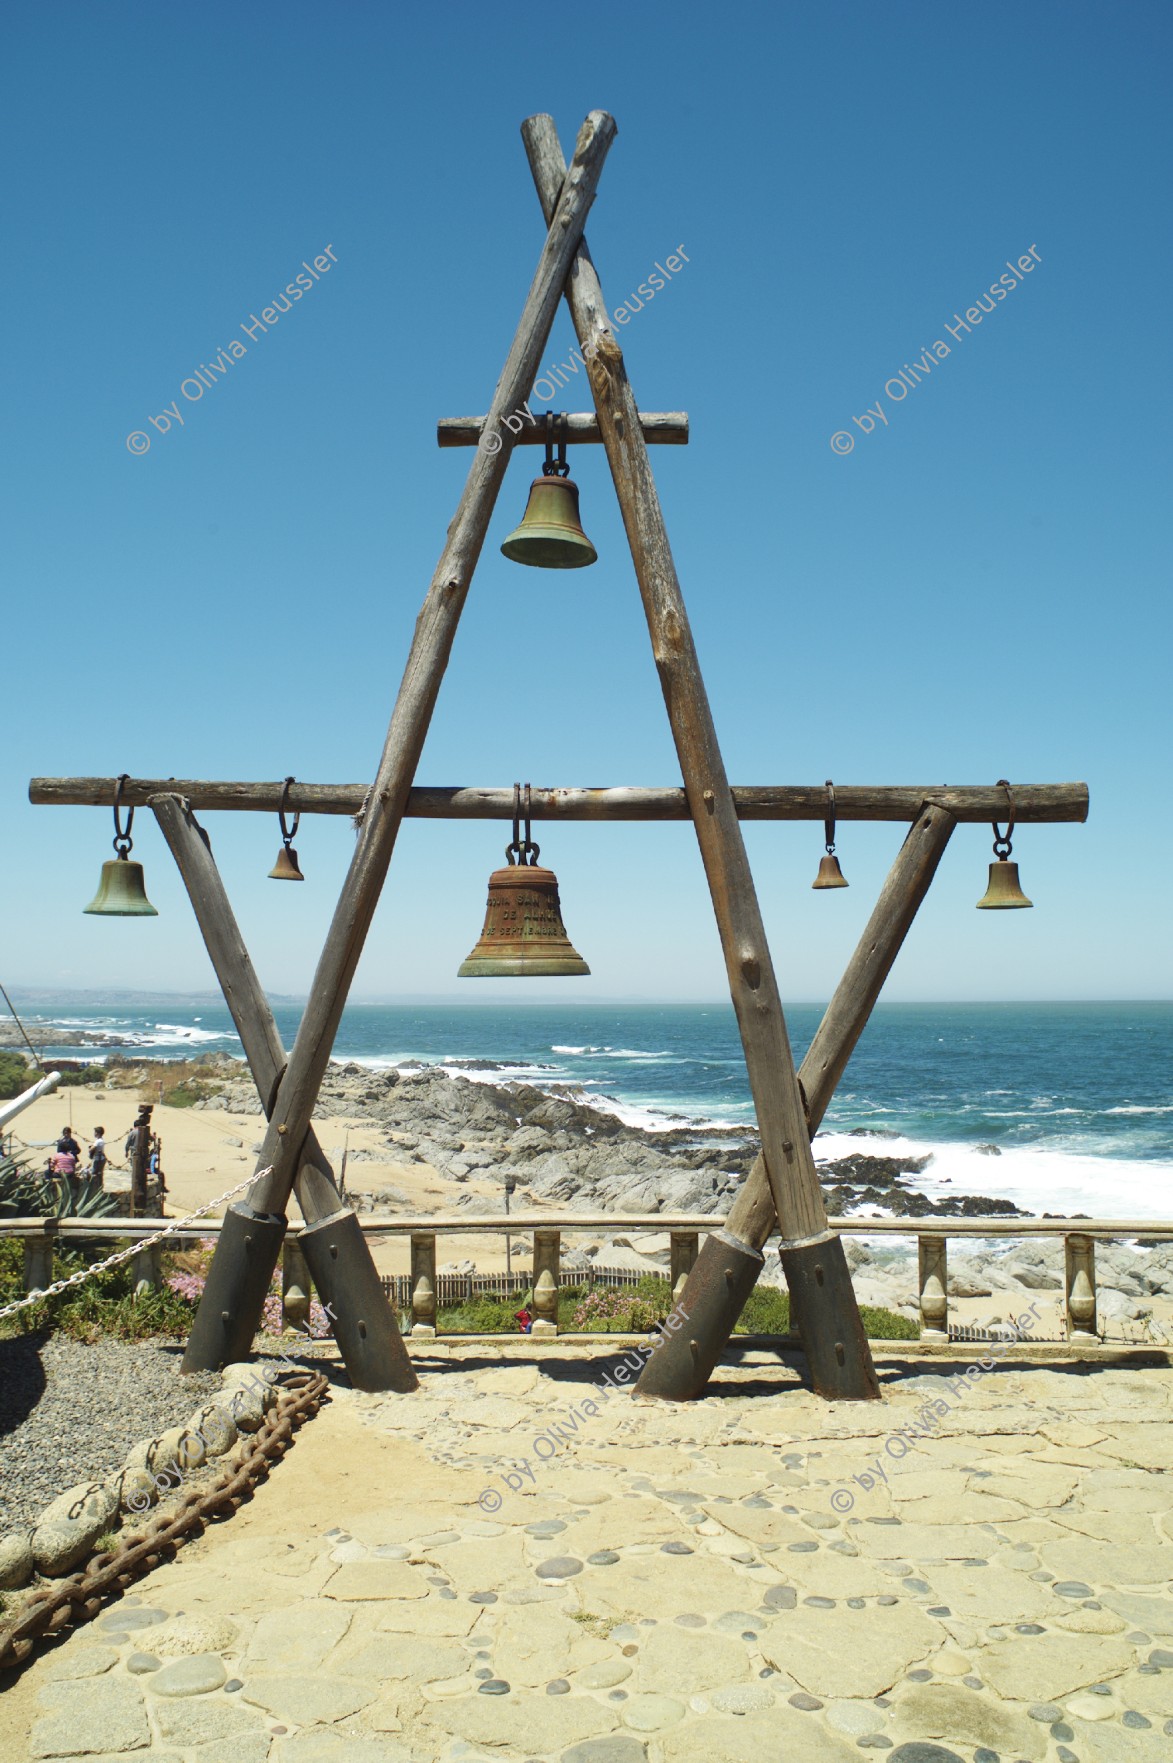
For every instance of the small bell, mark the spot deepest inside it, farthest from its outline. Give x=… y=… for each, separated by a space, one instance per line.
x=550 y=535
x=285 y=868
x=523 y=935
x=830 y=875
x=1003 y=890
x=121 y=891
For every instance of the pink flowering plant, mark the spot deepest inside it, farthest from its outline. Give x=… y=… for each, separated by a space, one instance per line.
x=188 y=1282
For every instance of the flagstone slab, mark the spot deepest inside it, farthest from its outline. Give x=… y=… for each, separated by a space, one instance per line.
x=849 y=1653
x=394 y=1523
x=963 y=1717
x=421 y=1658
x=676 y=1661
x=1147 y=1445
x=356 y=1581
x=478 y=1564
x=527 y=1725
x=827 y=1573
x=622 y=1522
x=1125 y=1528
x=444 y=1617
x=301 y=1635
x=1040 y=1668
x=665 y=1586
x=307 y=1700
x=1148 y=1695
x=1108 y=1564
x=1034 y=1485
x=782 y=1733
x=320 y=1745
x=107 y=1714
x=987 y=1595
x=915 y=1542
x=759 y=1525
x=534 y=1644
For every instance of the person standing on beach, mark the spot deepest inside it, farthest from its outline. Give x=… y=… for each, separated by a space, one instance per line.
x=98 y=1154
x=69 y=1144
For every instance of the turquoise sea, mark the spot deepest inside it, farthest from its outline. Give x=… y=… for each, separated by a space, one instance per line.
x=1077 y=1098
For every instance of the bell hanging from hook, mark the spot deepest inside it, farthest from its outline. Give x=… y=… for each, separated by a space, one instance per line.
x=523 y=935
x=830 y=875
x=285 y=868
x=550 y=535
x=121 y=889
x=1003 y=891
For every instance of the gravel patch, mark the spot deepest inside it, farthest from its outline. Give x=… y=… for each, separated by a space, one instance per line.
x=69 y=1411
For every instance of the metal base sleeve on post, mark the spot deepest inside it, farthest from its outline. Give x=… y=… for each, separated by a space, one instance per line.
x=364 y=1323
x=234 y=1295
x=820 y=1282
x=723 y=1275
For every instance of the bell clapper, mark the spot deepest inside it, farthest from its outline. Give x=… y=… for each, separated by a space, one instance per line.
x=830 y=875
x=121 y=890
x=1003 y=890
x=550 y=535
x=285 y=868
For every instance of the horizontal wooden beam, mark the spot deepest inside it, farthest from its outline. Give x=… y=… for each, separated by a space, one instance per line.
x=663 y=428
x=580 y=1224
x=895 y=802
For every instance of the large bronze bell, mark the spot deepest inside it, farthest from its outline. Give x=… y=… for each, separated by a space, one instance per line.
x=550 y=535
x=121 y=893
x=524 y=936
x=830 y=875
x=1003 y=890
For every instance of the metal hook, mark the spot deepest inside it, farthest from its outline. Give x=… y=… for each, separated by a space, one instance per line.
x=287 y=835
x=122 y=839
x=1002 y=845
x=829 y=824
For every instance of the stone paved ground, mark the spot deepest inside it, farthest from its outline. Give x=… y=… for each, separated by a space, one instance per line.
x=677 y=1584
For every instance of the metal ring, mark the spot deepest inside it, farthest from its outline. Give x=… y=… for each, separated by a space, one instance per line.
x=122 y=839
x=287 y=836
x=1004 y=838
x=829 y=825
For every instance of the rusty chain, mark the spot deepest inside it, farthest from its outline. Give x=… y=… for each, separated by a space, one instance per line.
x=79 y=1598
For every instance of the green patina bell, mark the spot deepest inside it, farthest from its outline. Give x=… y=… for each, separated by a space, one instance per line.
x=550 y=535
x=121 y=893
x=1003 y=891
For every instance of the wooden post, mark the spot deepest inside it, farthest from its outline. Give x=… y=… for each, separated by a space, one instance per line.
x=680 y=1374
x=426 y=662
x=333 y=1244
x=547 y=1251
x=140 y=1161
x=933 y=1286
x=296 y=1285
x=423 y=1284
x=38 y=1263
x=837 y=1351
x=146 y=1269
x=683 y=1252
x=1079 y=1254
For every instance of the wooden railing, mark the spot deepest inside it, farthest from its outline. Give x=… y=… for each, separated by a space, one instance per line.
x=423 y=1289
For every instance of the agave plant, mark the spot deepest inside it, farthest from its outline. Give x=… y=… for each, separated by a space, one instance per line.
x=26 y=1194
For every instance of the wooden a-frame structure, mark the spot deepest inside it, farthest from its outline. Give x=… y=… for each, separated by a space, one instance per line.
x=782 y=1189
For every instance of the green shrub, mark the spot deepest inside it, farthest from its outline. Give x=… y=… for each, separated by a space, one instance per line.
x=103 y=1305
x=767 y=1311
x=887 y=1325
x=16 y=1075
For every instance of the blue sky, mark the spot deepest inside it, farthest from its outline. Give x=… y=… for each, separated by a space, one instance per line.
x=978 y=589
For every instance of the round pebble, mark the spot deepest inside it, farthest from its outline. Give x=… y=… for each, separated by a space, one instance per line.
x=887 y=1598
x=483 y=1671
x=921 y=1751
x=943 y=1610
x=916 y=1585
x=191 y=1676
x=602 y=1558
x=545 y=1527
x=808 y=1704
x=1167 y=1729
x=781 y=1597
x=676 y=1549
x=802 y=1548
x=617 y=1696
x=855 y=1603
x=1160 y=1656
x=920 y=1675
x=1061 y=1730
x=1135 y=1720
x=652 y=1713
x=1138 y=1639
x=982 y=1755
x=562 y=1567
x=747 y=1698
x=1028 y=1628
x=1072 y=1588
x=1045 y=1712
x=234 y=1683
x=1147 y=1670
x=493 y=1686
x=1066 y=1756
x=820 y=1603
x=690 y=1621
x=483 y=1598
x=972 y=1683
x=874 y=1741
x=141 y=1663
x=557 y=1686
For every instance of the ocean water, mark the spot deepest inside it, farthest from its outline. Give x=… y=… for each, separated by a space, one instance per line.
x=1077 y=1098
